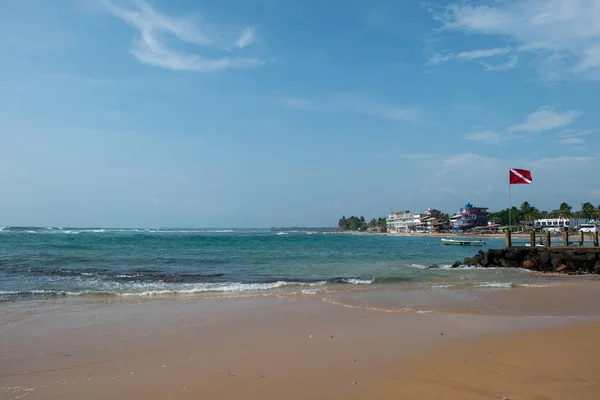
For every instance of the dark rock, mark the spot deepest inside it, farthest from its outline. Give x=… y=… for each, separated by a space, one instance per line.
x=562 y=267
x=433 y=266
x=575 y=262
x=578 y=257
x=556 y=261
x=544 y=261
x=516 y=253
x=456 y=264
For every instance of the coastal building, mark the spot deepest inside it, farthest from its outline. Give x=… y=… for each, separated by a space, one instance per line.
x=427 y=221
x=400 y=221
x=470 y=217
x=552 y=224
x=454 y=221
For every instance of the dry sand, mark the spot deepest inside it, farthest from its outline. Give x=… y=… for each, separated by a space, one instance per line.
x=301 y=348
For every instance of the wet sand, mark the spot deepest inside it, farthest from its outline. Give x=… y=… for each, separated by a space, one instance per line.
x=561 y=363
x=347 y=346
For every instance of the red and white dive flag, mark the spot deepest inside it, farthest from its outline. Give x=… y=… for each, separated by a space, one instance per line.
x=519 y=176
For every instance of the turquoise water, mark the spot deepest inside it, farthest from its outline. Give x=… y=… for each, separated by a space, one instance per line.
x=50 y=262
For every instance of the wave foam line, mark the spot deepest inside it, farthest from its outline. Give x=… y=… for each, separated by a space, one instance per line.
x=378 y=309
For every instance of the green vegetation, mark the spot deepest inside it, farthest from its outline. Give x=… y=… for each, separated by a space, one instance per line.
x=527 y=212
x=360 y=224
x=378 y=223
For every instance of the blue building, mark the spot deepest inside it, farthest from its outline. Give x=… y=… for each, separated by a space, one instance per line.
x=470 y=217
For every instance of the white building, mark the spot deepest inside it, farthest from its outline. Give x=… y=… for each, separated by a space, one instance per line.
x=400 y=221
x=427 y=221
x=552 y=224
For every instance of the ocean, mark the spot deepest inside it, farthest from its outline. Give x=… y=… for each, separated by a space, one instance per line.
x=48 y=263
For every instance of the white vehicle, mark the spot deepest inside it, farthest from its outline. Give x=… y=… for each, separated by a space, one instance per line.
x=588 y=228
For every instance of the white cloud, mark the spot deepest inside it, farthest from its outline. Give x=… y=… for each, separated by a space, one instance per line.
x=247 y=37
x=564 y=35
x=474 y=55
x=574 y=133
x=575 y=137
x=544 y=119
x=573 y=140
x=510 y=64
x=150 y=48
x=489 y=137
x=351 y=103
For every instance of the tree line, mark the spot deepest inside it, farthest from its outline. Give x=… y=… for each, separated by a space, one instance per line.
x=527 y=212
x=354 y=223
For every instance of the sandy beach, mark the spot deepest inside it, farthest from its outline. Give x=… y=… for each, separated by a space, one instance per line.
x=349 y=346
x=559 y=363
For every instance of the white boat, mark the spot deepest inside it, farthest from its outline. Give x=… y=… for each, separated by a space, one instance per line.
x=463 y=242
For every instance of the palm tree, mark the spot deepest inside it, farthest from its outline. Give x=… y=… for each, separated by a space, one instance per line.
x=587 y=210
x=565 y=211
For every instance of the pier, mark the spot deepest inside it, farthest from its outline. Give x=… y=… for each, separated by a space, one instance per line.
x=564 y=257
x=545 y=240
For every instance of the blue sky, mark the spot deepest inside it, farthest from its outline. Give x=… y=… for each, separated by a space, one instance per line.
x=292 y=112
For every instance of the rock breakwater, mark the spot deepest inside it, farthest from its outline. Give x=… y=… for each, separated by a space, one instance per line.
x=580 y=260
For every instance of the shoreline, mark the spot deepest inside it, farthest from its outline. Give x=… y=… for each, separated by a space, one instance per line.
x=270 y=348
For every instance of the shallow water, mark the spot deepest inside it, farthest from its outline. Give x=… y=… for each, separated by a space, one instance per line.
x=42 y=263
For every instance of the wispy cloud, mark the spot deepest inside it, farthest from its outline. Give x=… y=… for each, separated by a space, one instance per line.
x=479 y=56
x=506 y=66
x=574 y=133
x=573 y=140
x=469 y=55
x=545 y=119
x=574 y=137
x=345 y=102
x=488 y=137
x=149 y=46
x=247 y=37
x=564 y=35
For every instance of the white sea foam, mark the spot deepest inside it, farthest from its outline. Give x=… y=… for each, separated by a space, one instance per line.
x=41 y=291
x=499 y=285
x=422 y=266
x=442 y=286
x=355 y=281
x=537 y=285
x=216 y=287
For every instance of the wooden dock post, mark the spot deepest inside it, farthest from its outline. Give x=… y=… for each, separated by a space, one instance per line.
x=596 y=239
x=581 y=238
x=532 y=238
x=548 y=239
x=507 y=238
x=566 y=239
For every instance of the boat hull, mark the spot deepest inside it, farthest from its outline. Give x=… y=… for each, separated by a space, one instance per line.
x=462 y=242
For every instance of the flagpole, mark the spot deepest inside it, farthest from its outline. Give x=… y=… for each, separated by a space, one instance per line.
x=509 y=207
